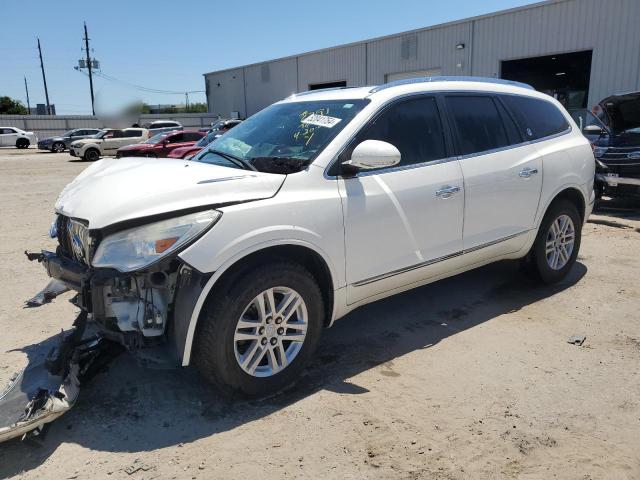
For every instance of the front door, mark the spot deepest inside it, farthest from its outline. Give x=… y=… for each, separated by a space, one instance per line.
x=402 y=223
x=502 y=173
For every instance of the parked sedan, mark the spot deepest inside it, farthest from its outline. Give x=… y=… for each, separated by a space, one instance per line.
x=161 y=145
x=184 y=152
x=61 y=143
x=15 y=137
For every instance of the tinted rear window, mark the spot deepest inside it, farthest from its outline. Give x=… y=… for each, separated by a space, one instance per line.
x=478 y=124
x=536 y=118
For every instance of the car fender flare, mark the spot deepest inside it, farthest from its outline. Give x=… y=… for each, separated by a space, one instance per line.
x=228 y=263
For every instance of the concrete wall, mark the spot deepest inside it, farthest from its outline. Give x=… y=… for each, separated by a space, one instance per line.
x=47 y=126
x=608 y=27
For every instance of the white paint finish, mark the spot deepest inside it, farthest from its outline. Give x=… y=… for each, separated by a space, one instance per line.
x=112 y=191
x=498 y=201
x=378 y=232
x=394 y=220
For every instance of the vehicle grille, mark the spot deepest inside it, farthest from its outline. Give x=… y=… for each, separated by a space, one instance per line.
x=74 y=240
x=620 y=156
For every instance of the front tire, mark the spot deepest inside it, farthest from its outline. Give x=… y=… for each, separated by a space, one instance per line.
x=22 y=143
x=259 y=329
x=91 y=155
x=558 y=241
x=58 y=147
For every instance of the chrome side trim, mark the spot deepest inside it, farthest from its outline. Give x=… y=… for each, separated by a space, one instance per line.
x=406 y=269
x=399 y=271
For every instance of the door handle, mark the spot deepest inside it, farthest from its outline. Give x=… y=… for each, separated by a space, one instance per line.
x=447 y=191
x=527 y=172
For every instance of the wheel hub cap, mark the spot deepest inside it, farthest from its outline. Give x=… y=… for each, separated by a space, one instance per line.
x=270 y=332
x=560 y=242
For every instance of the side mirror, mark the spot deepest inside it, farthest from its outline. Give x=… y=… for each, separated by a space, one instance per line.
x=593 y=130
x=372 y=154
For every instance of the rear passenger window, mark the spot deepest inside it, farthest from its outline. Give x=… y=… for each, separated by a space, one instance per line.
x=133 y=133
x=413 y=127
x=536 y=118
x=478 y=124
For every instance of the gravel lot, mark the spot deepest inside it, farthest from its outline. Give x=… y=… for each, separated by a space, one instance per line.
x=471 y=377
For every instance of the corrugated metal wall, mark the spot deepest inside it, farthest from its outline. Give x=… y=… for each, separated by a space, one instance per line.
x=47 y=126
x=608 y=27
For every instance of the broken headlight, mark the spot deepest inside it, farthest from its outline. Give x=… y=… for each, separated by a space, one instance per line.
x=138 y=247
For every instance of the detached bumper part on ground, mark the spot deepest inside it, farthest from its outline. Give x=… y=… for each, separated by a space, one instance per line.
x=49 y=386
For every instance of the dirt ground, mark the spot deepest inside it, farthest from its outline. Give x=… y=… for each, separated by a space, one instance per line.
x=471 y=377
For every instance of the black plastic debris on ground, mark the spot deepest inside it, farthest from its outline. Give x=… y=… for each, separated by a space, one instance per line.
x=577 y=340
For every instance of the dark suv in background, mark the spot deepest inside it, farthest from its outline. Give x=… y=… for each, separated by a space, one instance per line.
x=61 y=143
x=614 y=132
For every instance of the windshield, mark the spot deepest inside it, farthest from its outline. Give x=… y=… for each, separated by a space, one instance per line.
x=296 y=131
x=156 y=138
x=207 y=139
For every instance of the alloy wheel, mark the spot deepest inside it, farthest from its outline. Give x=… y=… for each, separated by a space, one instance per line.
x=560 y=242
x=270 y=332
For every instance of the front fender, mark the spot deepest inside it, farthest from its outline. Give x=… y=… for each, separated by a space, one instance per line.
x=186 y=324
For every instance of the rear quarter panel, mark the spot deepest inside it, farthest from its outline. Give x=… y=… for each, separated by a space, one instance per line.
x=568 y=162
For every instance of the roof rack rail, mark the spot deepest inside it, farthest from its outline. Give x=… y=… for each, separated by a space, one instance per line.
x=328 y=89
x=410 y=81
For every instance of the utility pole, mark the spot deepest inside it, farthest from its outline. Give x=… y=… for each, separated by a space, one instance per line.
x=44 y=79
x=89 y=66
x=186 y=100
x=26 y=87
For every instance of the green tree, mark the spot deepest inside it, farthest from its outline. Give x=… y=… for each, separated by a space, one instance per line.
x=9 y=106
x=197 y=108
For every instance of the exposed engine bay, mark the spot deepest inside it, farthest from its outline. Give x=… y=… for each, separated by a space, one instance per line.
x=118 y=311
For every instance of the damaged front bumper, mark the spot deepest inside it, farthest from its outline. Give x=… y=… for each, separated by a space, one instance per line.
x=50 y=384
x=121 y=311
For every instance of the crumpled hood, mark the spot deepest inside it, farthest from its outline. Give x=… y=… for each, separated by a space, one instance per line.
x=112 y=191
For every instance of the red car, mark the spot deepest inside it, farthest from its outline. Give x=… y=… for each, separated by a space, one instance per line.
x=216 y=130
x=161 y=145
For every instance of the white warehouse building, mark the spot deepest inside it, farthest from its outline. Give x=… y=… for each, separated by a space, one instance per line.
x=579 y=51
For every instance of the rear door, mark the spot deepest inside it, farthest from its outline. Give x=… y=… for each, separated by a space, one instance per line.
x=400 y=224
x=502 y=172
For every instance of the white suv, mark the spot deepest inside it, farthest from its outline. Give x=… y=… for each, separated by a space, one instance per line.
x=14 y=137
x=316 y=205
x=107 y=142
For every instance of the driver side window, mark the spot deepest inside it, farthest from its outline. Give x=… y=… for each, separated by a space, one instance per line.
x=413 y=126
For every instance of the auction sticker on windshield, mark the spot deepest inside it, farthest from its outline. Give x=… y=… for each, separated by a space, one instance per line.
x=321 y=120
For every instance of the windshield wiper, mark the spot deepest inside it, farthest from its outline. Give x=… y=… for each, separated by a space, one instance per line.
x=282 y=165
x=232 y=158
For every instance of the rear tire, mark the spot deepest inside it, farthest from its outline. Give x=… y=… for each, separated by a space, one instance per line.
x=229 y=362
x=22 y=143
x=91 y=155
x=557 y=244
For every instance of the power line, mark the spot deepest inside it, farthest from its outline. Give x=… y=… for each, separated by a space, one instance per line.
x=145 y=89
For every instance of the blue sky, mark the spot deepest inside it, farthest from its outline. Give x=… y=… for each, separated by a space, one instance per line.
x=168 y=45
